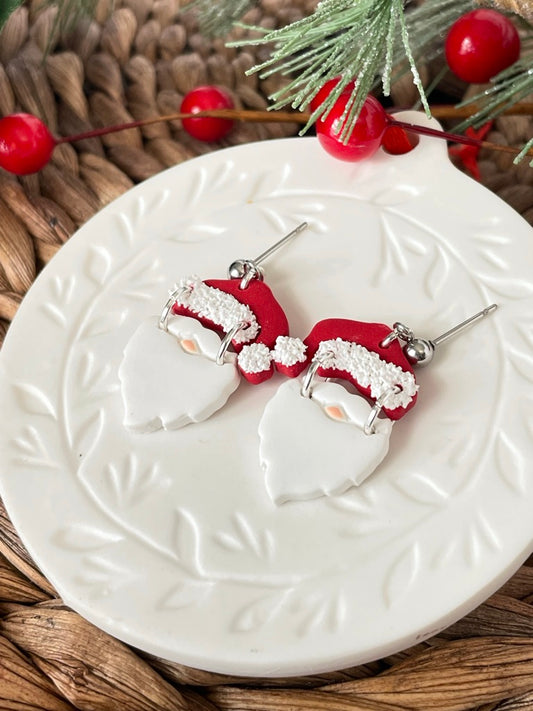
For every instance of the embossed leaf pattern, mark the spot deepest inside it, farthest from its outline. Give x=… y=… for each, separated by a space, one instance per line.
x=183 y=231
x=529 y=418
x=222 y=177
x=454 y=444
x=309 y=212
x=186 y=594
x=126 y=223
x=397 y=195
x=196 y=187
x=392 y=259
x=123 y=227
x=144 y=281
x=525 y=330
x=92 y=377
x=158 y=200
x=364 y=515
x=244 y=537
x=98 y=264
x=131 y=482
x=206 y=230
x=494 y=260
x=437 y=274
x=84 y=537
x=305 y=612
x=104 y=323
x=352 y=502
x=511 y=288
x=421 y=489
x=102 y=575
x=258 y=613
x=364 y=526
x=32 y=450
x=511 y=463
x=267 y=183
x=62 y=290
x=490 y=249
x=445 y=553
x=186 y=541
x=320 y=612
x=471 y=543
x=33 y=400
x=480 y=539
x=277 y=222
x=87 y=434
x=522 y=363
x=402 y=575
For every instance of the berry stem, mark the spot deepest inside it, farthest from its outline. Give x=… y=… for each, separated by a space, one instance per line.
x=236 y=114
x=447 y=111
x=455 y=137
x=302 y=118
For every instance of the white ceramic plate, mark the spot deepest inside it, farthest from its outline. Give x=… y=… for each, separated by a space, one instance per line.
x=169 y=540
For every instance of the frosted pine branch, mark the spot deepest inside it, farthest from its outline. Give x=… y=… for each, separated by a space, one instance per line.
x=368 y=41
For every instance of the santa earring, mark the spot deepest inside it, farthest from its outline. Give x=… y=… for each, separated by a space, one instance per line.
x=378 y=363
x=190 y=344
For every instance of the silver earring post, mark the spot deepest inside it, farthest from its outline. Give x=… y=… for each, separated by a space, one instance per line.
x=420 y=351
x=248 y=269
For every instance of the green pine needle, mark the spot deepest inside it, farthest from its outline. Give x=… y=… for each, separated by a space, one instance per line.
x=368 y=41
x=217 y=17
x=6 y=8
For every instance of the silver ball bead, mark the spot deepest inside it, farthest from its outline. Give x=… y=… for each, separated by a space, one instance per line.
x=419 y=351
x=237 y=269
x=240 y=268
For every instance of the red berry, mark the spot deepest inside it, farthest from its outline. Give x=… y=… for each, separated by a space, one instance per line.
x=323 y=93
x=481 y=44
x=206 y=98
x=365 y=137
x=26 y=144
x=397 y=141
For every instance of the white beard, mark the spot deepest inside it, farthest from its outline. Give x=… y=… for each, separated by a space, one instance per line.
x=316 y=446
x=163 y=385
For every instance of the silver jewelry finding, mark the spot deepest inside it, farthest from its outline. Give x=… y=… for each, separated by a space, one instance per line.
x=369 y=428
x=307 y=389
x=248 y=269
x=173 y=297
x=316 y=363
x=400 y=331
x=420 y=351
x=226 y=341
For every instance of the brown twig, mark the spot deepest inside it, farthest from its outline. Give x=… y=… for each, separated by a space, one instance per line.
x=303 y=117
x=231 y=114
x=456 y=112
x=456 y=137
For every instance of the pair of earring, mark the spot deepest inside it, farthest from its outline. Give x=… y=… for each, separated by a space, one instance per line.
x=227 y=328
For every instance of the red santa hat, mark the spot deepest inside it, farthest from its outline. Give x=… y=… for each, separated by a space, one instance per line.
x=353 y=351
x=220 y=304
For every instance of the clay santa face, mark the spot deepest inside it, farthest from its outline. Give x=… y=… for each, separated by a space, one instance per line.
x=301 y=435
x=175 y=376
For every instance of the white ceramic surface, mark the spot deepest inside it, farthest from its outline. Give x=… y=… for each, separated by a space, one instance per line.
x=169 y=540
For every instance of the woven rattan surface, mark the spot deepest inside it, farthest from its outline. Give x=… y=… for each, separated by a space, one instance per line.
x=136 y=60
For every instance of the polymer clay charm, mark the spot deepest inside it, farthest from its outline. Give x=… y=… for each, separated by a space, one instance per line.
x=179 y=369
x=338 y=425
